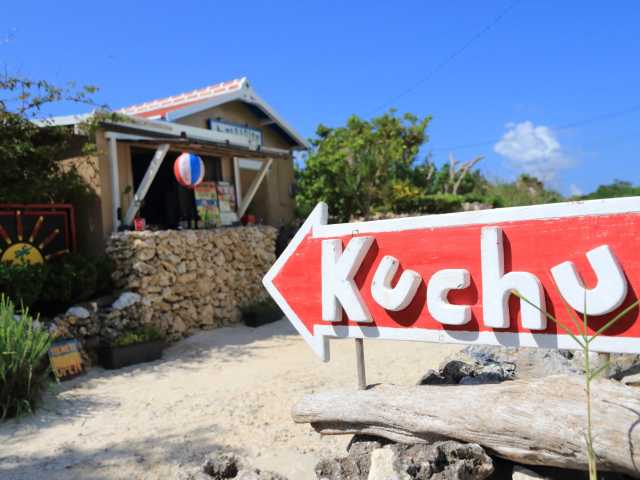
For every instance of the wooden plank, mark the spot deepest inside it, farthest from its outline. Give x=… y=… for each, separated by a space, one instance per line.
x=253 y=188
x=115 y=182
x=145 y=184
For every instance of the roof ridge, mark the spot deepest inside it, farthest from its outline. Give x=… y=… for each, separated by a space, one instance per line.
x=190 y=97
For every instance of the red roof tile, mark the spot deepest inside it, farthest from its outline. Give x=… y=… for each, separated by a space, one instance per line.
x=176 y=102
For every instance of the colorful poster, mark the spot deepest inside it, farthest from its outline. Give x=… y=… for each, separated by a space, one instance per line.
x=206 y=195
x=227 y=203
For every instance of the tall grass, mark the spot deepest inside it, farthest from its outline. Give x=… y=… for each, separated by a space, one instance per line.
x=24 y=366
x=584 y=341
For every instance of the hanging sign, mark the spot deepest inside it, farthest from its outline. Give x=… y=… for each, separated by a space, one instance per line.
x=188 y=169
x=237 y=134
x=449 y=278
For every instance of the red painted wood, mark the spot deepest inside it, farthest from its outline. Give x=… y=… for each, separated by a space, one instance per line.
x=533 y=246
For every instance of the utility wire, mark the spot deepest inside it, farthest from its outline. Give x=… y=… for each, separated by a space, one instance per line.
x=447 y=60
x=567 y=126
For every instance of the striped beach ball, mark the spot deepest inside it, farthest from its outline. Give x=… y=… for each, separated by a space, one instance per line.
x=188 y=169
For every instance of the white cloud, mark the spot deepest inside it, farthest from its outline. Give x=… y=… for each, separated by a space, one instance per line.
x=534 y=149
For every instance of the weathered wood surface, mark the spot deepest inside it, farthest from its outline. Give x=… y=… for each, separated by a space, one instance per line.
x=537 y=422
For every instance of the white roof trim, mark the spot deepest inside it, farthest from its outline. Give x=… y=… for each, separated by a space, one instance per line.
x=63 y=120
x=179 y=130
x=244 y=94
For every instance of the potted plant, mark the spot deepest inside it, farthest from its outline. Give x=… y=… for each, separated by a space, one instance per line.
x=261 y=313
x=137 y=346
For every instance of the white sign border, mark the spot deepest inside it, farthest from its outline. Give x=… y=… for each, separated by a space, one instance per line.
x=316 y=225
x=503 y=339
x=582 y=208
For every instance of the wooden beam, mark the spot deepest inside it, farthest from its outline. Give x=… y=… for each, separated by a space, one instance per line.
x=237 y=179
x=147 y=180
x=253 y=188
x=208 y=149
x=115 y=183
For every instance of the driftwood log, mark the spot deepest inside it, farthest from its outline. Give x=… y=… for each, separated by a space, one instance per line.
x=536 y=422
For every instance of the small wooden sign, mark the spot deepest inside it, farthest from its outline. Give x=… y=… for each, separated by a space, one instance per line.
x=65 y=358
x=449 y=278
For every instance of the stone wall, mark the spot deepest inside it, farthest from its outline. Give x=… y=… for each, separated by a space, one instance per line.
x=193 y=278
x=98 y=322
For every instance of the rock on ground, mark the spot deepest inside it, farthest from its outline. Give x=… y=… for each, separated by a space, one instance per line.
x=126 y=299
x=521 y=473
x=224 y=466
x=370 y=458
x=478 y=364
x=457 y=372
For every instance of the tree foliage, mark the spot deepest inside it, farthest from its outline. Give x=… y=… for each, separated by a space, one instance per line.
x=30 y=150
x=526 y=190
x=619 y=188
x=369 y=167
x=354 y=168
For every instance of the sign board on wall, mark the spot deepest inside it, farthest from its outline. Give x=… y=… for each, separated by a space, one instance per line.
x=237 y=134
x=35 y=233
x=449 y=278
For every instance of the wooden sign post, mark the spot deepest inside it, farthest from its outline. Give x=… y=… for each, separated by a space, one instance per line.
x=450 y=278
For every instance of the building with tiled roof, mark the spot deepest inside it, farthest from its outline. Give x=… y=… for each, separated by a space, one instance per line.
x=245 y=145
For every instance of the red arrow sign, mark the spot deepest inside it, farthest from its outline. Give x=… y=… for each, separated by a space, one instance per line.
x=449 y=278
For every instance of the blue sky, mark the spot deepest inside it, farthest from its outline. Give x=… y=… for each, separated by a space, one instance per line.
x=502 y=85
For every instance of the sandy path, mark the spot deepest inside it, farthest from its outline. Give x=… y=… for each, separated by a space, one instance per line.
x=229 y=388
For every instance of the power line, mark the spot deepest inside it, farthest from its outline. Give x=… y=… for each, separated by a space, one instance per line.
x=448 y=59
x=567 y=126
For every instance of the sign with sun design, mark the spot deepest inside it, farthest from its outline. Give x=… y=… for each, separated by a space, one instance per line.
x=36 y=233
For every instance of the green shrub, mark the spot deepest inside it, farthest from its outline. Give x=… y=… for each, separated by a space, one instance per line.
x=24 y=365
x=71 y=278
x=104 y=269
x=148 y=333
x=22 y=282
x=262 y=307
x=52 y=287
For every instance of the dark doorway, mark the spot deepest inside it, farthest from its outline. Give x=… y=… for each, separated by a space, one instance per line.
x=167 y=203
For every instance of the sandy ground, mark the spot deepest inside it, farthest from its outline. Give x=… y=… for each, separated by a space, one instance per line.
x=230 y=388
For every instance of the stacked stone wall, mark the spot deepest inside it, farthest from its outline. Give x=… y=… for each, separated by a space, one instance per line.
x=193 y=279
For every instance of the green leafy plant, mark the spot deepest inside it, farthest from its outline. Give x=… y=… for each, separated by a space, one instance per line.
x=52 y=287
x=71 y=278
x=584 y=341
x=31 y=150
x=148 y=333
x=24 y=365
x=262 y=307
x=22 y=282
x=618 y=188
x=353 y=167
x=104 y=269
